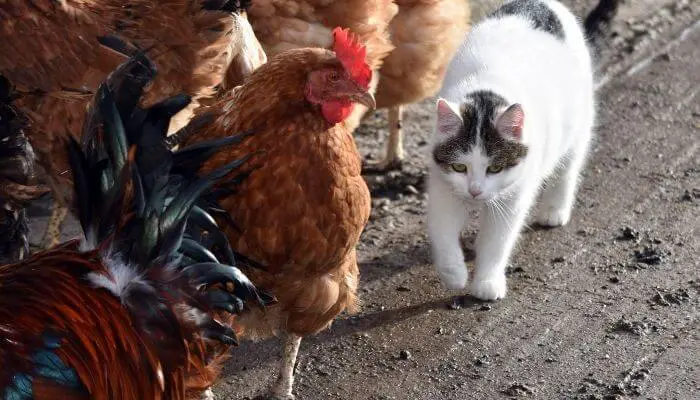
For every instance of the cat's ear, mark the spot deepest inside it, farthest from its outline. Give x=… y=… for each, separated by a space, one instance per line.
x=448 y=119
x=510 y=123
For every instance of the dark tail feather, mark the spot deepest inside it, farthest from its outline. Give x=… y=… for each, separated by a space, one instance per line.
x=136 y=201
x=598 y=22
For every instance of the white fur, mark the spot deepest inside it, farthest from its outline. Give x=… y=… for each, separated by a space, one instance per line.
x=553 y=81
x=119 y=279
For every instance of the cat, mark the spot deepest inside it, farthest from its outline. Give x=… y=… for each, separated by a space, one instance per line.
x=516 y=109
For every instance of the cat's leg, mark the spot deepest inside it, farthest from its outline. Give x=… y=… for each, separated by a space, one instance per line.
x=499 y=227
x=559 y=194
x=446 y=218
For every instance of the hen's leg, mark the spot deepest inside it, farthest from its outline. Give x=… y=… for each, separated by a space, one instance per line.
x=52 y=236
x=282 y=389
x=394 y=146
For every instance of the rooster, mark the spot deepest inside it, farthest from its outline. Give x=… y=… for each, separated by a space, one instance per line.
x=126 y=313
x=302 y=209
x=409 y=44
x=51 y=54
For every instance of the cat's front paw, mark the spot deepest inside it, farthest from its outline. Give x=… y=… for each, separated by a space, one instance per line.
x=453 y=275
x=489 y=288
x=554 y=216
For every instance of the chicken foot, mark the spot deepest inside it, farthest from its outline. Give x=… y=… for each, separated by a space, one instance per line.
x=52 y=236
x=282 y=389
x=394 y=146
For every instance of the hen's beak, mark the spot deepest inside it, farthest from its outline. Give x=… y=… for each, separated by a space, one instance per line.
x=366 y=99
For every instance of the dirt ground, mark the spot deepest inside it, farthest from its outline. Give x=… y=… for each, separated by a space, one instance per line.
x=607 y=307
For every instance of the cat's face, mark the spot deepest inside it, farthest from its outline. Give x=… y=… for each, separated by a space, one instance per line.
x=477 y=147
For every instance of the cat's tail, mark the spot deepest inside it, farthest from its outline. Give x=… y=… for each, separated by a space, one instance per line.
x=597 y=24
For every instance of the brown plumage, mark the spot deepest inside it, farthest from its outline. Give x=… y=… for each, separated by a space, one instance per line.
x=51 y=54
x=301 y=210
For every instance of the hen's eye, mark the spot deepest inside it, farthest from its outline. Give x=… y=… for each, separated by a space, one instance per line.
x=461 y=168
x=494 y=169
x=334 y=76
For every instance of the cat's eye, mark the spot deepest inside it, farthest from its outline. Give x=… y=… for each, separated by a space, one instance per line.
x=494 y=169
x=461 y=168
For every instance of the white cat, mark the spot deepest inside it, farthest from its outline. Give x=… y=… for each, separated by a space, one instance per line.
x=516 y=109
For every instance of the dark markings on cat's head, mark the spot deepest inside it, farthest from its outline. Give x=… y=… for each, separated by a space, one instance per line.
x=479 y=113
x=536 y=12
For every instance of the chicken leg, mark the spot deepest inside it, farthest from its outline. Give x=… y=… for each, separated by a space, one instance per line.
x=52 y=236
x=282 y=389
x=394 y=146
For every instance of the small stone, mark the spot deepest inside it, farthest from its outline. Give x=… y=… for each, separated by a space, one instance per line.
x=405 y=355
x=403 y=289
x=412 y=189
x=485 y=307
x=482 y=361
x=519 y=389
x=456 y=303
x=557 y=260
x=627 y=233
x=614 y=279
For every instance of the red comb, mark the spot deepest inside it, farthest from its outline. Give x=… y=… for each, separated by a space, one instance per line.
x=352 y=54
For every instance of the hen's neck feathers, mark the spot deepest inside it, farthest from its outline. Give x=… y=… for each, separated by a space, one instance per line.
x=275 y=93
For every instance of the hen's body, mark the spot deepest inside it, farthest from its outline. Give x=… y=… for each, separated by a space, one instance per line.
x=301 y=211
x=50 y=52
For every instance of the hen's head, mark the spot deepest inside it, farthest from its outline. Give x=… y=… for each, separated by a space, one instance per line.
x=338 y=84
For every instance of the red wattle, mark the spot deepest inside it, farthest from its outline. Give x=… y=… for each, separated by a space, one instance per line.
x=336 y=111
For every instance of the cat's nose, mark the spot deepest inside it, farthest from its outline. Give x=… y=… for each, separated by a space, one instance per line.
x=475 y=192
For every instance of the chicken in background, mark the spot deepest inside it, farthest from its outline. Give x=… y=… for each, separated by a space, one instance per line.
x=409 y=44
x=303 y=205
x=16 y=179
x=126 y=313
x=51 y=54
x=426 y=35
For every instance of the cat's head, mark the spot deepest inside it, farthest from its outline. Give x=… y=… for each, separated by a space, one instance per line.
x=478 y=146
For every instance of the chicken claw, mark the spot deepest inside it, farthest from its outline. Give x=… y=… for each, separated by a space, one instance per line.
x=238 y=286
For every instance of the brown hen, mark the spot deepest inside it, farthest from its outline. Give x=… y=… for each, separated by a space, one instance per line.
x=301 y=210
